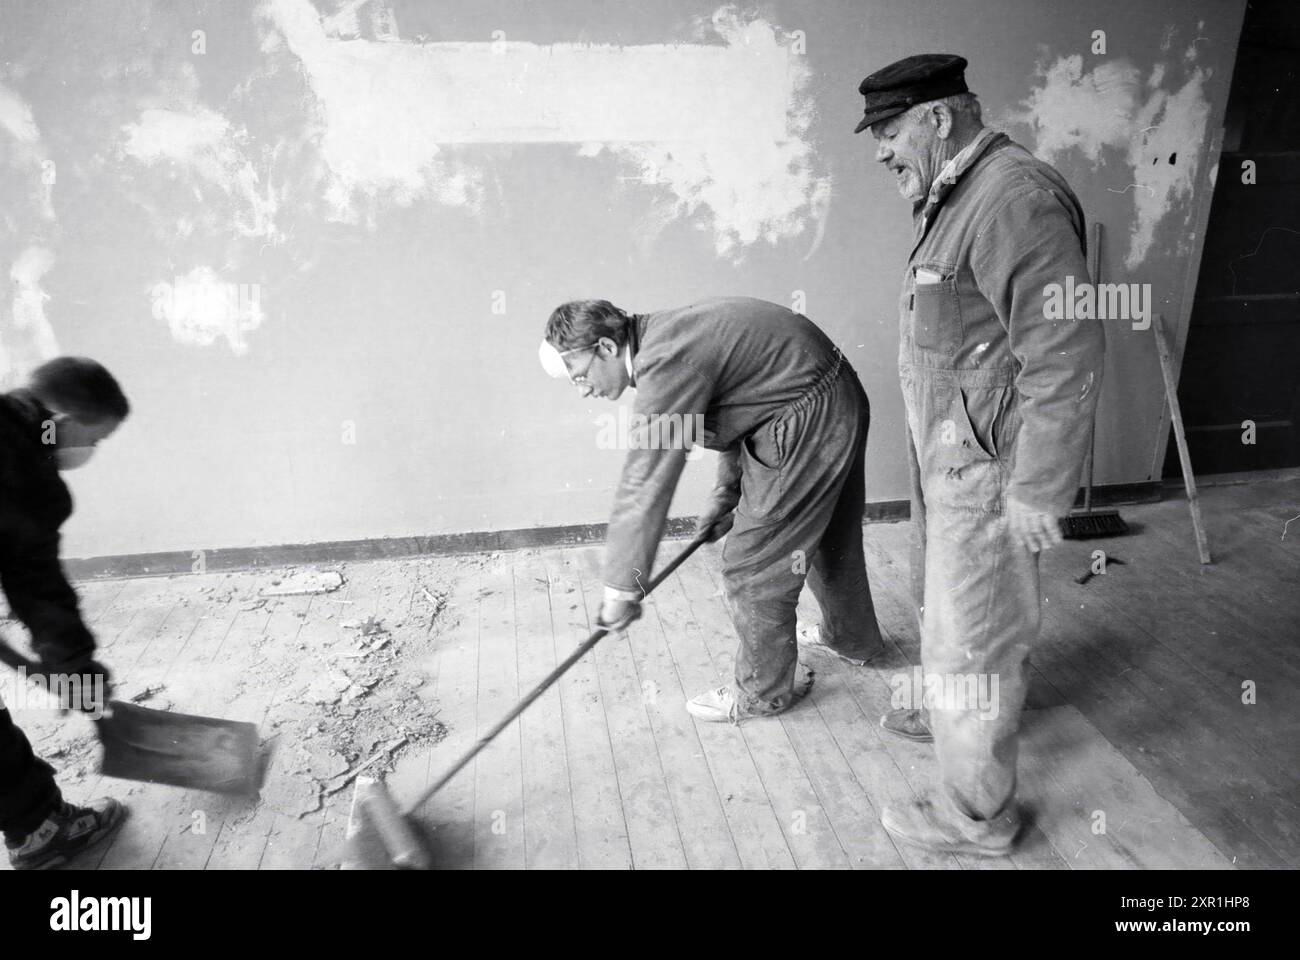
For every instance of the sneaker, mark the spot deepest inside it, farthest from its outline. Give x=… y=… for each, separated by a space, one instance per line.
x=919 y=824
x=810 y=635
x=909 y=724
x=715 y=706
x=719 y=705
x=65 y=833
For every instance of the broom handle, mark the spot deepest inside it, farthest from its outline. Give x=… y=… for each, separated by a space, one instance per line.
x=1094 y=268
x=546 y=682
x=1092 y=456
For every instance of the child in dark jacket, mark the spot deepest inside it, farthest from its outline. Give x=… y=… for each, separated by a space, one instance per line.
x=53 y=424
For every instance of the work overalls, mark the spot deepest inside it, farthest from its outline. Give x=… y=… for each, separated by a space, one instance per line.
x=999 y=402
x=800 y=516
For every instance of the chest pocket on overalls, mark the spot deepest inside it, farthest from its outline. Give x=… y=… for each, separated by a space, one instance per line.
x=762 y=460
x=935 y=308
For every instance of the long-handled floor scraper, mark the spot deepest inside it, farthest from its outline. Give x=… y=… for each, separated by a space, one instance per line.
x=382 y=836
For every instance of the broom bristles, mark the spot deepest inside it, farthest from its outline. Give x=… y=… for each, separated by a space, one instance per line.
x=1087 y=526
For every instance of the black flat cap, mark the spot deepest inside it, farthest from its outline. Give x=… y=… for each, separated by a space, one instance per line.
x=912 y=80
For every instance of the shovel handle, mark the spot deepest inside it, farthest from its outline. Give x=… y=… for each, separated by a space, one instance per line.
x=597 y=635
x=14 y=660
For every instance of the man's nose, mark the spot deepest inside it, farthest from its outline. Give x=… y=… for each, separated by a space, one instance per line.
x=883 y=154
x=585 y=390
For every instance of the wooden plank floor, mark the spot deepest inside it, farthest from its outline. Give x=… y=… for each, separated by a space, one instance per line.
x=1159 y=732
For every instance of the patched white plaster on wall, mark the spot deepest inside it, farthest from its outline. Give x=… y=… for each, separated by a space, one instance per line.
x=345 y=22
x=209 y=148
x=201 y=308
x=190 y=138
x=16 y=117
x=26 y=335
x=721 y=127
x=25 y=150
x=1166 y=159
x=1154 y=131
x=29 y=339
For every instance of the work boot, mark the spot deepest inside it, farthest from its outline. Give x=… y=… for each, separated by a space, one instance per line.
x=65 y=833
x=919 y=823
x=810 y=635
x=909 y=724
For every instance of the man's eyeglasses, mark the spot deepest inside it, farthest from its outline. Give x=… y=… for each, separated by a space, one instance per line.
x=581 y=379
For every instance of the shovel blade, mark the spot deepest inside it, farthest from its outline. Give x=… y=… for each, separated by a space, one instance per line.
x=181 y=750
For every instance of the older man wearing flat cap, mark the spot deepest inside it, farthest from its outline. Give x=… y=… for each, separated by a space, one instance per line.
x=999 y=400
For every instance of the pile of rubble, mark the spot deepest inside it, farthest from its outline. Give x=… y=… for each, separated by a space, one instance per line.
x=353 y=699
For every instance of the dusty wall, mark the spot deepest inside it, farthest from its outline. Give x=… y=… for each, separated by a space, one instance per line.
x=318 y=242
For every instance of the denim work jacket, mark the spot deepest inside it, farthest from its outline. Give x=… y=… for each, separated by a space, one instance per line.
x=999 y=399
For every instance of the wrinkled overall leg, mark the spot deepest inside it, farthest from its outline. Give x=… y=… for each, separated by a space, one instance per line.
x=783 y=514
x=838 y=575
x=27 y=789
x=981 y=618
x=916 y=538
x=761 y=588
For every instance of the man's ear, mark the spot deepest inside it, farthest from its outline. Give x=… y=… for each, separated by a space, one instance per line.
x=608 y=347
x=942 y=117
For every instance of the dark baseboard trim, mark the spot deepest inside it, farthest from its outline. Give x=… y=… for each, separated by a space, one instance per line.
x=172 y=563
x=167 y=564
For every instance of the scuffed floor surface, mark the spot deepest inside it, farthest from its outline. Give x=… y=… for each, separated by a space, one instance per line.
x=1137 y=721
